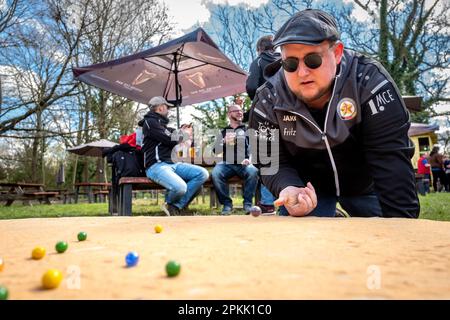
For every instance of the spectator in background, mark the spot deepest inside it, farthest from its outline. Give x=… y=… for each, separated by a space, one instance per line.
x=437 y=168
x=234 y=144
x=266 y=55
x=181 y=180
x=423 y=168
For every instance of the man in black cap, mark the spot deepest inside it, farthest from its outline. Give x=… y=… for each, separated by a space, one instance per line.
x=341 y=124
x=181 y=180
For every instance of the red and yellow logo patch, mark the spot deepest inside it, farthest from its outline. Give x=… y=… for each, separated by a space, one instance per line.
x=346 y=109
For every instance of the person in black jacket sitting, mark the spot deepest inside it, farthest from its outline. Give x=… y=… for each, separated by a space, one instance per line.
x=182 y=180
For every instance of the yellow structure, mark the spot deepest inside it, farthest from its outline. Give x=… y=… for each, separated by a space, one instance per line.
x=424 y=138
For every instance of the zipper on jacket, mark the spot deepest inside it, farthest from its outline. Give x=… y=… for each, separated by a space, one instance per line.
x=157 y=152
x=324 y=137
x=145 y=159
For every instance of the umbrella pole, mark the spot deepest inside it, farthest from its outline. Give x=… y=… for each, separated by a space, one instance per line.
x=105 y=166
x=75 y=171
x=177 y=89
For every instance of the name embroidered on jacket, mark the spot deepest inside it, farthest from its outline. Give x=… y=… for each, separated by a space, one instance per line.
x=289 y=118
x=289 y=132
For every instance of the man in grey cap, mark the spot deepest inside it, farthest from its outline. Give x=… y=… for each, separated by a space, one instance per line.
x=341 y=124
x=181 y=180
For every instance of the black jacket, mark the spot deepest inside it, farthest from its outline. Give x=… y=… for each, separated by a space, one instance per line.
x=237 y=152
x=364 y=146
x=256 y=73
x=158 y=144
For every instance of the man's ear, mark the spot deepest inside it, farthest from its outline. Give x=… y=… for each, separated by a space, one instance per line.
x=338 y=52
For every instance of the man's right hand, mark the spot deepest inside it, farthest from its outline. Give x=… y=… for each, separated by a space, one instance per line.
x=298 y=201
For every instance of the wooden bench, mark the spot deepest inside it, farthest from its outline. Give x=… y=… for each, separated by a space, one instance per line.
x=64 y=195
x=100 y=195
x=39 y=195
x=121 y=202
x=90 y=189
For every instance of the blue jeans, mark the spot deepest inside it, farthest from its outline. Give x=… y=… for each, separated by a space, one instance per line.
x=356 y=206
x=222 y=172
x=267 y=197
x=181 y=180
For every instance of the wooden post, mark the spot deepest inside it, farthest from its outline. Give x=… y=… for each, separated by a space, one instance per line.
x=75 y=171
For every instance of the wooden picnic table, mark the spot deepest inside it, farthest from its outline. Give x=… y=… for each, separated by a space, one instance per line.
x=63 y=194
x=12 y=191
x=93 y=189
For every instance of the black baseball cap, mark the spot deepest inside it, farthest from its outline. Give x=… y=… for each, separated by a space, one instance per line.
x=309 y=26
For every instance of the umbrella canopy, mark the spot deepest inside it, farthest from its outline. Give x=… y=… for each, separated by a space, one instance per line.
x=92 y=149
x=186 y=70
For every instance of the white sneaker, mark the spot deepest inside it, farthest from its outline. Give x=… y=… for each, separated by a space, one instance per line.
x=269 y=214
x=165 y=208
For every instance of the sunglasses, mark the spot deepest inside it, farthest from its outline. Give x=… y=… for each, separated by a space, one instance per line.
x=312 y=61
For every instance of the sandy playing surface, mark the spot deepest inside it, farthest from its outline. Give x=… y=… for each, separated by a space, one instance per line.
x=236 y=257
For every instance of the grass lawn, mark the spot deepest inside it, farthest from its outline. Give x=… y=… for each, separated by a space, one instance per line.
x=141 y=207
x=435 y=206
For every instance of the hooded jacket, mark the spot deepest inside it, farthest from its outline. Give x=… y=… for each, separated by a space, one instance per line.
x=362 y=146
x=256 y=73
x=157 y=144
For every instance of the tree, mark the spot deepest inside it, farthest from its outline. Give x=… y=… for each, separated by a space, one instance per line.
x=39 y=68
x=119 y=28
x=413 y=44
x=213 y=114
x=410 y=38
x=44 y=104
x=12 y=12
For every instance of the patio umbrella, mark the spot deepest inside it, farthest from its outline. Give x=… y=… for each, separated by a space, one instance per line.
x=92 y=149
x=186 y=70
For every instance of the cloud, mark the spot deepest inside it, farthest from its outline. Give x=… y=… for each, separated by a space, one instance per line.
x=251 y=3
x=189 y=12
x=358 y=13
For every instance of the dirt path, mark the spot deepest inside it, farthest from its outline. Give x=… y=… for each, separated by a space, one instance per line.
x=237 y=257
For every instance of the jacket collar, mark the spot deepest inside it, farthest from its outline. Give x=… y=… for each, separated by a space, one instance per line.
x=163 y=120
x=242 y=126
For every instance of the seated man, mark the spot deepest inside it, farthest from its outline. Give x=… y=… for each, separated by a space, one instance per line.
x=234 y=143
x=182 y=180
